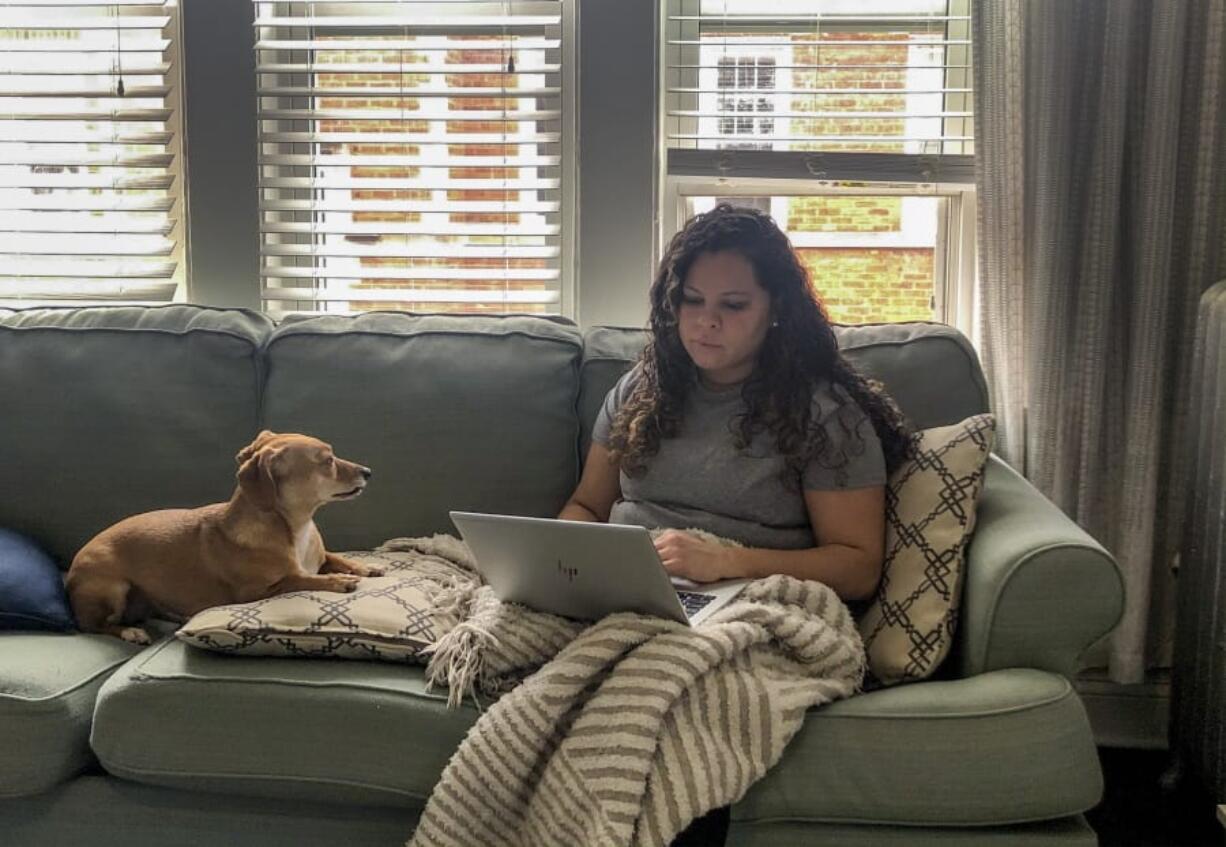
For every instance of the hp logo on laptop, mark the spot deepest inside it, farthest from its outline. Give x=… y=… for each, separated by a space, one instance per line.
x=569 y=573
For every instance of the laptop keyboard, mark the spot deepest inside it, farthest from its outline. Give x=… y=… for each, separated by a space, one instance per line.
x=693 y=602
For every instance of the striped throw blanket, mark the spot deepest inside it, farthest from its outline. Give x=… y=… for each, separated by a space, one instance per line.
x=624 y=732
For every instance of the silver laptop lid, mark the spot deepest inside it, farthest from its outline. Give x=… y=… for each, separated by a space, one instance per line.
x=572 y=568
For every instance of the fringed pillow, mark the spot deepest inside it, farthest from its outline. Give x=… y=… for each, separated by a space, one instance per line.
x=930 y=514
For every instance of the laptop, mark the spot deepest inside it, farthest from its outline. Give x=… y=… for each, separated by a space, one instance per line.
x=584 y=570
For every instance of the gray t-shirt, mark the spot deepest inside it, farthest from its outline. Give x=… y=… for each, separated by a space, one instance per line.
x=699 y=479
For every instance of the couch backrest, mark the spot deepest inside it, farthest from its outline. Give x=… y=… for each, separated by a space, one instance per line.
x=931 y=370
x=108 y=412
x=451 y=412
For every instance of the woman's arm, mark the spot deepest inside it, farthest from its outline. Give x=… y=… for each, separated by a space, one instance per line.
x=599 y=488
x=849 y=526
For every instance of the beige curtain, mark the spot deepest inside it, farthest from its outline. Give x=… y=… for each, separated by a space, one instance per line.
x=1101 y=168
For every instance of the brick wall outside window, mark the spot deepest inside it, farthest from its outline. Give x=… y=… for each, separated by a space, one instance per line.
x=872 y=286
x=409 y=81
x=866 y=285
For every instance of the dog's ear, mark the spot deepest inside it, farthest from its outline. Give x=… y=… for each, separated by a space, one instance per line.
x=256 y=479
x=252 y=448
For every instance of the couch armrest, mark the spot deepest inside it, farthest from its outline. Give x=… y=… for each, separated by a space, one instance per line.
x=1038 y=589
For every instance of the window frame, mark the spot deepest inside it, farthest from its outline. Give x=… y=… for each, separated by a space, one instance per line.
x=955 y=268
x=684 y=173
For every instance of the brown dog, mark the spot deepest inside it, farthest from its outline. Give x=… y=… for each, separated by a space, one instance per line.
x=176 y=562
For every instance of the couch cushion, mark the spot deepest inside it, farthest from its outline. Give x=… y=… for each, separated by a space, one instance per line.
x=1005 y=747
x=48 y=682
x=112 y=411
x=451 y=412
x=1061 y=832
x=931 y=370
x=329 y=730
x=607 y=353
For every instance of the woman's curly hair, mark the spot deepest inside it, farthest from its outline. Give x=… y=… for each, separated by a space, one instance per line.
x=798 y=355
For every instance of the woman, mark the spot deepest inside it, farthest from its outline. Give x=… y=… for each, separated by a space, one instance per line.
x=742 y=418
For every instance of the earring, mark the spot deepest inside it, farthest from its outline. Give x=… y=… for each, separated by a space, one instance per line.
x=774 y=323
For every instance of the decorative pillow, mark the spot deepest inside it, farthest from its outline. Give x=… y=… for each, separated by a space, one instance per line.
x=391 y=617
x=31 y=587
x=930 y=515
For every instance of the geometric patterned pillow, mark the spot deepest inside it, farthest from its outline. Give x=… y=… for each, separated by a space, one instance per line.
x=930 y=514
x=389 y=617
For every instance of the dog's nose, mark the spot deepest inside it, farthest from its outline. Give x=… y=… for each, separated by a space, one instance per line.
x=366 y=472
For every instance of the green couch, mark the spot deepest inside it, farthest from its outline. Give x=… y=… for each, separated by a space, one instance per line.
x=113 y=411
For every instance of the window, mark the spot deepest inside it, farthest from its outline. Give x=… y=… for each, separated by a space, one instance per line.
x=415 y=155
x=850 y=122
x=746 y=91
x=90 y=157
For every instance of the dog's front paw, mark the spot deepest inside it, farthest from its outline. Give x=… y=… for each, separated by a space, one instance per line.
x=135 y=635
x=339 y=564
x=351 y=567
x=343 y=582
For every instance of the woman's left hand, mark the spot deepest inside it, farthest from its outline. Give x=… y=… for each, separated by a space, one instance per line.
x=688 y=557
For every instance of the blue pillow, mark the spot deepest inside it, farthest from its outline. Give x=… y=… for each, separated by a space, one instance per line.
x=31 y=587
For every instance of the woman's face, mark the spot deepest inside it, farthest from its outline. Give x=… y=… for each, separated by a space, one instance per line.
x=724 y=317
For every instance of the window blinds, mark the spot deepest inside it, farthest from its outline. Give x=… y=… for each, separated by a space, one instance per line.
x=774 y=88
x=90 y=180
x=411 y=155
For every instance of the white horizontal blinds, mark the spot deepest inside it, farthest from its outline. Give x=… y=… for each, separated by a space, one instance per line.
x=410 y=155
x=90 y=172
x=871 y=76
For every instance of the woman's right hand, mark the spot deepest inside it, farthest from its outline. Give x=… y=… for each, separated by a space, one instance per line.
x=689 y=557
